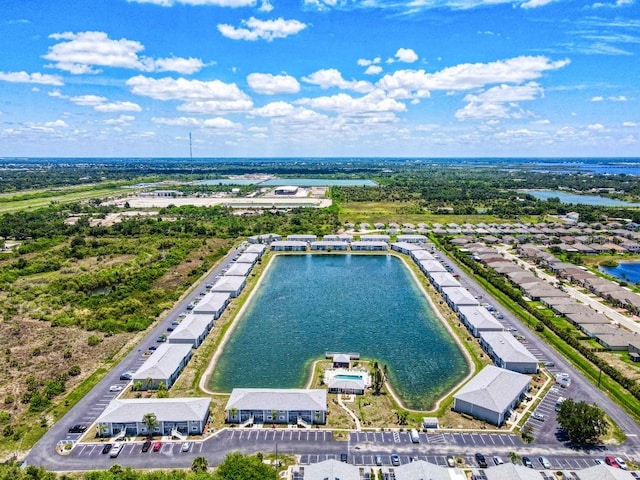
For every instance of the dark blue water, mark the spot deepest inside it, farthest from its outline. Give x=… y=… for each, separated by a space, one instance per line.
x=625 y=271
x=576 y=199
x=310 y=304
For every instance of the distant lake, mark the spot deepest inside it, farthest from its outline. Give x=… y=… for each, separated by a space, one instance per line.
x=626 y=271
x=307 y=305
x=576 y=199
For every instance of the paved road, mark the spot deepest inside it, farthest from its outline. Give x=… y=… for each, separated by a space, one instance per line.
x=547 y=432
x=87 y=410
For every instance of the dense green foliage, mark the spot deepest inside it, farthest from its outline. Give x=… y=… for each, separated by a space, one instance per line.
x=583 y=423
x=237 y=466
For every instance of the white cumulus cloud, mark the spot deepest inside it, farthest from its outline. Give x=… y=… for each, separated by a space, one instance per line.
x=118 y=107
x=24 y=77
x=80 y=53
x=332 y=78
x=268 y=84
x=373 y=70
x=406 y=55
x=254 y=29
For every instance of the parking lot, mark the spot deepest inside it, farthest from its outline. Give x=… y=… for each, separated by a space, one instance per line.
x=466 y=439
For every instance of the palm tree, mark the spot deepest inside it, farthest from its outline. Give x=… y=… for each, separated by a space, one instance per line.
x=274 y=416
x=137 y=385
x=102 y=429
x=147 y=383
x=233 y=411
x=199 y=464
x=150 y=421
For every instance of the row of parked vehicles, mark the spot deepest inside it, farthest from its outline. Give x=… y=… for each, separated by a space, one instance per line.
x=114 y=449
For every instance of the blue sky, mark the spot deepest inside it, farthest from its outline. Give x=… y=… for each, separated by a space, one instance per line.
x=253 y=78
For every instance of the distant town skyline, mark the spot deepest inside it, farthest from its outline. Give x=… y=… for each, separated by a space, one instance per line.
x=268 y=78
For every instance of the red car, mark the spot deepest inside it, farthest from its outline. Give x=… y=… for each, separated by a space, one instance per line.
x=158 y=445
x=609 y=460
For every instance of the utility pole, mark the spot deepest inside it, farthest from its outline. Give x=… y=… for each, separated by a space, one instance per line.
x=190 y=147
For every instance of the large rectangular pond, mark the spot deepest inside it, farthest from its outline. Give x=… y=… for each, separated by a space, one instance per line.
x=307 y=305
x=577 y=199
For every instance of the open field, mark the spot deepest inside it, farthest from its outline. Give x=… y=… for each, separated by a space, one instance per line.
x=385 y=212
x=10 y=203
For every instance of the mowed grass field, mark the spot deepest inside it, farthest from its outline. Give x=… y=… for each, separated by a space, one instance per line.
x=15 y=202
x=385 y=212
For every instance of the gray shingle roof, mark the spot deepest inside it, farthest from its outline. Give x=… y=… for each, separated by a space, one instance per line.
x=509 y=471
x=479 y=318
x=422 y=470
x=165 y=409
x=493 y=388
x=508 y=348
x=191 y=327
x=331 y=469
x=277 y=399
x=211 y=303
x=163 y=362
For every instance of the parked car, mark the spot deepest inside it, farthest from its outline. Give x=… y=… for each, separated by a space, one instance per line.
x=451 y=462
x=538 y=416
x=175 y=323
x=106 y=448
x=153 y=348
x=115 y=388
x=622 y=463
x=378 y=460
x=544 y=461
x=78 y=428
x=115 y=451
x=482 y=462
x=157 y=446
x=343 y=457
x=126 y=376
x=526 y=461
x=549 y=364
x=146 y=445
x=609 y=460
x=597 y=461
x=186 y=446
x=497 y=460
x=395 y=460
x=161 y=338
x=169 y=329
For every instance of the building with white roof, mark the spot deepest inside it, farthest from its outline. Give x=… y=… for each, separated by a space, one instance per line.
x=213 y=303
x=231 y=285
x=457 y=297
x=302 y=238
x=491 y=394
x=375 y=238
x=277 y=405
x=264 y=238
x=330 y=469
x=412 y=238
x=421 y=470
x=184 y=415
x=441 y=280
x=328 y=245
x=248 y=257
x=604 y=472
x=369 y=245
x=418 y=255
x=477 y=319
x=192 y=330
x=239 y=270
x=163 y=366
x=289 y=246
x=405 y=247
x=511 y=471
x=507 y=352
x=431 y=266
x=258 y=249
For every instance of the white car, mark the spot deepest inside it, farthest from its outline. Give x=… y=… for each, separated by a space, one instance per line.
x=186 y=446
x=115 y=451
x=622 y=463
x=538 y=416
x=497 y=460
x=115 y=388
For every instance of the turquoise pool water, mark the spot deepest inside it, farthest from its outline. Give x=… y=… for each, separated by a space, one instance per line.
x=308 y=305
x=348 y=377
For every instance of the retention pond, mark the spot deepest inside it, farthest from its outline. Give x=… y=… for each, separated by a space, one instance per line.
x=307 y=305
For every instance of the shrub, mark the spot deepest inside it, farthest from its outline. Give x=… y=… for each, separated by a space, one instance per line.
x=94 y=340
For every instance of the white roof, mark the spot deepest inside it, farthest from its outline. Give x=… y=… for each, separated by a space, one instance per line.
x=255 y=248
x=229 y=284
x=299 y=237
x=346 y=383
x=432 y=266
x=341 y=357
x=277 y=399
x=508 y=348
x=422 y=255
x=247 y=257
x=374 y=238
x=407 y=246
x=479 y=318
x=165 y=409
x=406 y=238
x=163 y=362
x=460 y=296
x=211 y=303
x=604 y=472
x=289 y=243
x=191 y=327
x=510 y=471
x=444 y=279
x=427 y=471
x=493 y=388
x=331 y=469
x=239 y=270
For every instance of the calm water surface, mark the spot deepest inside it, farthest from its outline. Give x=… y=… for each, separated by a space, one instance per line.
x=579 y=199
x=310 y=304
x=626 y=271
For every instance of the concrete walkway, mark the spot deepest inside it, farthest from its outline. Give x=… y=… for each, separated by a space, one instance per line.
x=351 y=414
